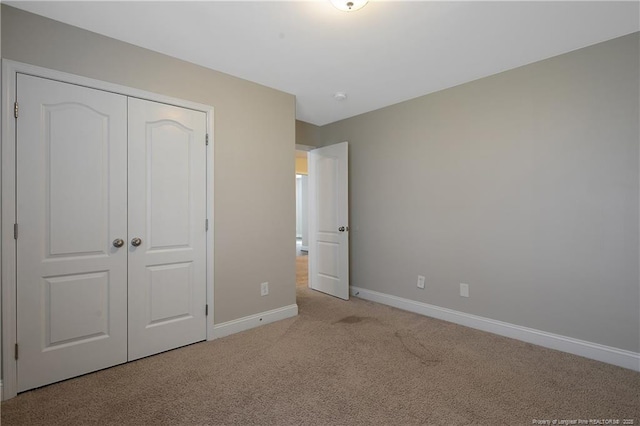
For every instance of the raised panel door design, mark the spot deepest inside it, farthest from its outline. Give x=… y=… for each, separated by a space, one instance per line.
x=77 y=308
x=71 y=203
x=328 y=220
x=328 y=260
x=327 y=181
x=168 y=189
x=167 y=211
x=169 y=293
x=77 y=159
x=93 y=167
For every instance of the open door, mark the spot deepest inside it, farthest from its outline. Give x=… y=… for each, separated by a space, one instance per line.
x=329 y=220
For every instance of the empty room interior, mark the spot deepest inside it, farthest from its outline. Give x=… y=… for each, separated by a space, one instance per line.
x=323 y=212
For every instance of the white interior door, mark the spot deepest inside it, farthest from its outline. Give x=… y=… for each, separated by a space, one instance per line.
x=71 y=205
x=167 y=212
x=329 y=220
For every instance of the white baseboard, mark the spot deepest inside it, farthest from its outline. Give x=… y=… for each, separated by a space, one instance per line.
x=304 y=248
x=252 y=321
x=608 y=354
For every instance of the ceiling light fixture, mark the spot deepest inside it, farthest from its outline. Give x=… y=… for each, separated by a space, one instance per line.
x=349 y=5
x=340 y=96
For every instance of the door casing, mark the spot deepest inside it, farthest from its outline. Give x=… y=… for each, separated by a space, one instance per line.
x=10 y=69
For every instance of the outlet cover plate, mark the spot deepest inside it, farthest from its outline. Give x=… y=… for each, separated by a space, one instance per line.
x=464 y=290
x=420 y=281
x=264 y=289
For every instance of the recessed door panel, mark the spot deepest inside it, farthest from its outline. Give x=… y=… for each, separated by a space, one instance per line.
x=77 y=157
x=327 y=181
x=77 y=308
x=167 y=212
x=71 y=192
x=170 y=288
x=328 y=256
x=168 y=189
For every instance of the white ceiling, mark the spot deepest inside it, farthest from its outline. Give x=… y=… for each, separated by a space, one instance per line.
x=386 y=53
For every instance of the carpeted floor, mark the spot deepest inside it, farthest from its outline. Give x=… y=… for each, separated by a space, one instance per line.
x=342 y=363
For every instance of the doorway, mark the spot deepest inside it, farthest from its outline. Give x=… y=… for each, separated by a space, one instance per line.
x=302 y=222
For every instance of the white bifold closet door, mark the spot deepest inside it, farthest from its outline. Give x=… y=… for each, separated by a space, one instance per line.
x=89 y=174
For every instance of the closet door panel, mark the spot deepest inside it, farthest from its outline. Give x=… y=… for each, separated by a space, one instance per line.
x=71 y=204
x=167 y=211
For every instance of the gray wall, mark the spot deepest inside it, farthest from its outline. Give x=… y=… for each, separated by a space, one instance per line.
x=524 y=185
x=307 y=134
x=254 y=150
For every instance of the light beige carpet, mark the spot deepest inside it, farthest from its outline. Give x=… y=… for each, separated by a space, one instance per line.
x=341 y=363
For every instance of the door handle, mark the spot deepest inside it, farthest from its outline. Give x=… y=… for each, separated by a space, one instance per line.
x=343 y=228
x=118 y=242
x=136 y=242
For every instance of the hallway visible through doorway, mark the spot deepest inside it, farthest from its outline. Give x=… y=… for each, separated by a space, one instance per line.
x=302 y=266
x=302 y=227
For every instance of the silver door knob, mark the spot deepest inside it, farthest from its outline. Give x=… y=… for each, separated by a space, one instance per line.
x=341 y=229
x=136 y=242
x=118 y=242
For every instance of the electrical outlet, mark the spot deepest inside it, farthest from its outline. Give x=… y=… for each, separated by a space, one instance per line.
x=264 y=289
x=420 y=281
x=464 y=290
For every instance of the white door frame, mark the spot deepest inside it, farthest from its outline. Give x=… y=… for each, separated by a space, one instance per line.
x=8 y=386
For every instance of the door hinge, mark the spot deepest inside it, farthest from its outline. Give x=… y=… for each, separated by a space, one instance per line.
x=206 y=224
x=206 y=139
x=15 y=109
x=206 y=310
x=15 y=231
x=15 y=354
